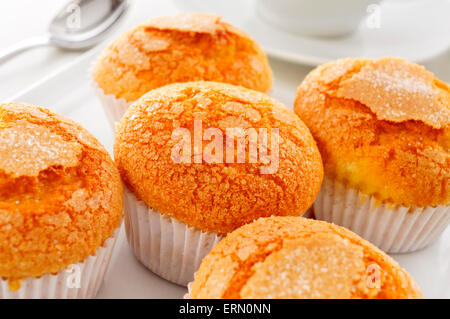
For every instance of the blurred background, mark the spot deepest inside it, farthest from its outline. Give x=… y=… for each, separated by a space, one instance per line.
x=297 y=34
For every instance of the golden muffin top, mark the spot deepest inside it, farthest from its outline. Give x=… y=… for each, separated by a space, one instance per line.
x=222 y=194
x=181 y=48
x=295 y=257
x=60 y=193
x=382 y=126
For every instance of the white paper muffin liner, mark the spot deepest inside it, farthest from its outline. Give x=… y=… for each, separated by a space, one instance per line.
x=188 y=294
x=168 y=247
x=393 y=228
x=78 y=281
x=113 y=107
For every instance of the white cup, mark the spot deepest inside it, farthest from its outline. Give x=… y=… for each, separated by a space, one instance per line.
x=315 y=17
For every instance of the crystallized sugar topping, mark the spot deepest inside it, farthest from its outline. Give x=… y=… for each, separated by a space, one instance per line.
x=26 y=149
x=82 y=200
x=82 y=135
x=240 y=109
x=198 y=22
x=331 y=72
x=313 y=268
x=397 y=91
x=19 y=109
x=150 y=43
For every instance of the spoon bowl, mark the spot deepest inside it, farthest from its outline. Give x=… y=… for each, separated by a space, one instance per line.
x=82 y=23
x=79 y=25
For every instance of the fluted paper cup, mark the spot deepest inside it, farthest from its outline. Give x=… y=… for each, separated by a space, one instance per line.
x=168 y=247
x=78 y=281
x=113 y=107
x=393 y=228
x=188 y=294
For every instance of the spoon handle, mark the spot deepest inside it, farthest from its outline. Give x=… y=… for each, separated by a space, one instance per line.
x=22 y=46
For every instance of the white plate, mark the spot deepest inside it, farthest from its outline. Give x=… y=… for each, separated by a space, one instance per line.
x=68 y=91
x=417 y=30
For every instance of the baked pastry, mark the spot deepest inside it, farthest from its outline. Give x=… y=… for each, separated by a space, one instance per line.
x=180 y=48
x=382 y=127
x=195 y=170
x=60 y=206
x=300 y=258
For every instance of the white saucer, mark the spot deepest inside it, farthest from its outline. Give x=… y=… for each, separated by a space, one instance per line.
x=415 y=30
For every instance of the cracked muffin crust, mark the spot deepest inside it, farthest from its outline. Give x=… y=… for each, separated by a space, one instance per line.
x=60 y=192
x=295 y=257
x=181 y=48
x=382 y=127
x=215 y=197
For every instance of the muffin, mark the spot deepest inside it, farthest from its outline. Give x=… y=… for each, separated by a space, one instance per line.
x=182 y=195
x=299 y=258
x=60 y=206
x=382 y=128
x=180 y=48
